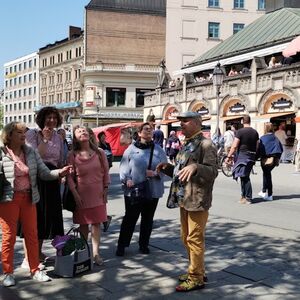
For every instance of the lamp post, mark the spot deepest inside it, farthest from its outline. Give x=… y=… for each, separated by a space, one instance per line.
x=98 y=100
x=218 y=77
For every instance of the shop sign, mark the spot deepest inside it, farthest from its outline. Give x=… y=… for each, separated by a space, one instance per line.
x=202 y=111
x=281 y=104
x=121 y=115
x=172 y=114
x=237 y=108
x=89 y=103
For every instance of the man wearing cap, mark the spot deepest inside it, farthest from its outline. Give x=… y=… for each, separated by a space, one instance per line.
x=193 y=175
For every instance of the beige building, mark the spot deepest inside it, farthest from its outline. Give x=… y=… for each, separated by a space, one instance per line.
x=195 y=26
x=124 y=42
x=60 y=69
x=21 y=89
x=267 y=92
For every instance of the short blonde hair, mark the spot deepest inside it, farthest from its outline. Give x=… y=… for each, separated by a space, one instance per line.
x=9 y=129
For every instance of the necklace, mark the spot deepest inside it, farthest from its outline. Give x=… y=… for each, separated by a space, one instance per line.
x=85 y=153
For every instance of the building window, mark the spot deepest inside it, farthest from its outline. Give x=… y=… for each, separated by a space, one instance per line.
x=29 y=91
x=44 y=62
x=29 y=119
x=25 y=105
x=59 y=78
x=238 y=4
x=213 y=3
x=25 y=65
x=237 y=27
x=51 y=60
x=140 y=96
x=68 y=96
x=115 y=96
x=30 y=64
x=29 y=104
x=51 y=79
x=34 y=76
x=261 y=4
x=213 y=30
x=77 y=74
x=68 y=75
x=30 y=77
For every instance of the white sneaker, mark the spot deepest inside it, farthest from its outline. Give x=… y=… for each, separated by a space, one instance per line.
x=9 y=280
x=261 y=194
x=268 y=198
x=25 y=265
x=41 y=276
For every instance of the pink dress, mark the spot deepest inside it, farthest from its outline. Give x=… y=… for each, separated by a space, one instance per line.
x=91 y=178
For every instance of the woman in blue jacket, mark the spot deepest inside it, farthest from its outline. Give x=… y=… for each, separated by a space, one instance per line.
x=270 y=150
x=134 y=170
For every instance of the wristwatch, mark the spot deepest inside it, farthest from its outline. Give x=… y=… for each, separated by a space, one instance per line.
x=45 y=141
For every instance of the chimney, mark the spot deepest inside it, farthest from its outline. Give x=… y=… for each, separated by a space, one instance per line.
x=272 y=5
x=74 y=32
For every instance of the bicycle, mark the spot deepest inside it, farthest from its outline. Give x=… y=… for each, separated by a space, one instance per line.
x=225 y=167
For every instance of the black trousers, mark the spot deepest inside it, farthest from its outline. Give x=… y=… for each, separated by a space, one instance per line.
x=132 y=212
x=267 y=179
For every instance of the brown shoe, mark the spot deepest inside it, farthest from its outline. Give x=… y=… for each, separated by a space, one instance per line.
x=245 y=201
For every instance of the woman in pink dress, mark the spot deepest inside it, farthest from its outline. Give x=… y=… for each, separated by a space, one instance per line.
x=89 y=183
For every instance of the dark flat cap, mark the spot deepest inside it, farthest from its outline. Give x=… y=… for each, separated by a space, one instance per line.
x=188 y=114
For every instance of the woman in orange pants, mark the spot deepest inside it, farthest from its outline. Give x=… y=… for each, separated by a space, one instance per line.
x=19 y=167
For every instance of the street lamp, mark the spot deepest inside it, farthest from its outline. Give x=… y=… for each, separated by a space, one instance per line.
x=98 y=100
x=218 y=77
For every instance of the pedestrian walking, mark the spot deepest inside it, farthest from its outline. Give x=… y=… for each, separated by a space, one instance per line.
x=244 y=148
x=228 y=138
x=89 y=185
x=50 y=146
x=297 y=157
x=20 y=166
x=137 y=168
x=282 y=136
x=172 y=146
x=193 y=179
x=158 y=136
x=269 y=151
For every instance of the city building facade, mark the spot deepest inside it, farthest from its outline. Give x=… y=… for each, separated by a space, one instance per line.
x=195 y=26
x=125 y=43
x=60 y=68
x=21 y=89
x=267 y=91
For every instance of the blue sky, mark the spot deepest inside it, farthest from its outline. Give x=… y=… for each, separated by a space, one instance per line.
x=27 y=25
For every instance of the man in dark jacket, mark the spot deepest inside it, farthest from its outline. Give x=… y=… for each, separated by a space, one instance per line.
x=191 y=189
x=158 y=136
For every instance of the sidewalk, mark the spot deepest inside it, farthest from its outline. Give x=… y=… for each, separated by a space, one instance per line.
x=244 y=260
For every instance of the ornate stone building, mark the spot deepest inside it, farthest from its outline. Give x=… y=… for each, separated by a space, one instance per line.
x=124 y=42
x=265 y=93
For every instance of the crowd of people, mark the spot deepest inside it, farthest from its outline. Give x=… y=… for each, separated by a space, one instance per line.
x=36 y=163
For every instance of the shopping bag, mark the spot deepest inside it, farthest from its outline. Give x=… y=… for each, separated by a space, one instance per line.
x=74 y=262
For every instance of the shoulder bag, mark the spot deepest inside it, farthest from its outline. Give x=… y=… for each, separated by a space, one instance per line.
x=142 y=191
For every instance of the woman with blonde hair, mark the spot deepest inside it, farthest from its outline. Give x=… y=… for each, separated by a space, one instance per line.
x=20 y=166
x=270 y=150
x=89 y=185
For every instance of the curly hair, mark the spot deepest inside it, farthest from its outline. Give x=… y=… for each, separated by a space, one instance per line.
x=46 y=111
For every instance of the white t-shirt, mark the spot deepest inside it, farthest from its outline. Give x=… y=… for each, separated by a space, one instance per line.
x=228 y=138
x=281 y=135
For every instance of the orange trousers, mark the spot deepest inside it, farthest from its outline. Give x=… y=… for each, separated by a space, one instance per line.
x=193 y=225
x=19 y=209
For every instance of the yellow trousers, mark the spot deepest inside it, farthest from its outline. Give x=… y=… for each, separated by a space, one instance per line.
x=193 y=225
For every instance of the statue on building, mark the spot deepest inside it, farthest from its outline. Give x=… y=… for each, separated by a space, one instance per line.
x=162 y=80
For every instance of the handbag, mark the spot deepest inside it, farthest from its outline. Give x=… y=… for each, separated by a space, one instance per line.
x=142 y=192
x=68 y=200
x=73 y=255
